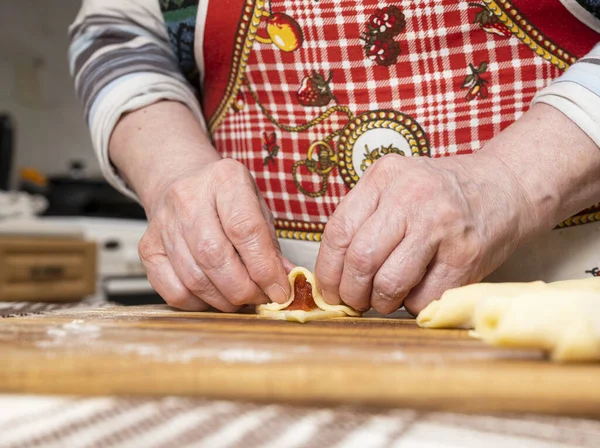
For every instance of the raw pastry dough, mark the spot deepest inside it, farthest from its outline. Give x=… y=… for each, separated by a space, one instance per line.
x=456 y=306
x=565 y=324
x=323 y=311
x=561 y=317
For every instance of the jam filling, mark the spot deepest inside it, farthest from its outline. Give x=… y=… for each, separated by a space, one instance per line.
x=303 y=297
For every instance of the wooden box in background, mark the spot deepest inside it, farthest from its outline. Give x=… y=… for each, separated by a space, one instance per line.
x=46 y=269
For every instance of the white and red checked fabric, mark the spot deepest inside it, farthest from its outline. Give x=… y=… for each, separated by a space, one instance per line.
x=452 y=73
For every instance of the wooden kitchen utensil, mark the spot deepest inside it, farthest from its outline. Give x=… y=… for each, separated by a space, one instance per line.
x=154 y=350
x=46 y=269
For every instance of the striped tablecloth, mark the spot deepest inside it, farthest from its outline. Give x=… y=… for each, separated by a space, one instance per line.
x=36 y=421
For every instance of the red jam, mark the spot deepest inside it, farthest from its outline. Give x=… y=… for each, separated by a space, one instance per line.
x=303 y=297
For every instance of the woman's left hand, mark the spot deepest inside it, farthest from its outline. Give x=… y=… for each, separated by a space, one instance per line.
x=415 y=227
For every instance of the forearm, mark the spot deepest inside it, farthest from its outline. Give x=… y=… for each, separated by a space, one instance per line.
x=132 y=36
x=555 y=163
x=153 y=146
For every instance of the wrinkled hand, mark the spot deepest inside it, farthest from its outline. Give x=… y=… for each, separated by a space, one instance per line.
x=414 y=227
x=211 y=241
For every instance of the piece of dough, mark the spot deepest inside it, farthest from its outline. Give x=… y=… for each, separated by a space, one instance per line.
x=564 y=323
x=323 y=311
x=562 y=318
x=456 y=306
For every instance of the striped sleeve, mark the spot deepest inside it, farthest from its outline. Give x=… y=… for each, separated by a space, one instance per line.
x=577 y=94
x=121 y=60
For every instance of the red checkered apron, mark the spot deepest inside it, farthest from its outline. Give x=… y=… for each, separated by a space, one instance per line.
x=307 y=94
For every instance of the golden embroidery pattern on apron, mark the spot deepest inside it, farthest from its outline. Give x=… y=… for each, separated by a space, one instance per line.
x=512 y=19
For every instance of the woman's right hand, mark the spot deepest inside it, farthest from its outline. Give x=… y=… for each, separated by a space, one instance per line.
x=210 y=238
x=211 y=241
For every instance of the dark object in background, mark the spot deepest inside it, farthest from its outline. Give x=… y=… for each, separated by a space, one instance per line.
x=6 y=150
x=116 y=290
x=136 y=299
x=78 y=195
x=76 y=169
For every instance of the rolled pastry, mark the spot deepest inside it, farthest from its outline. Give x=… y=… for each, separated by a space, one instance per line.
x=306 y=302
x=566 y=325
x=562 y=318
x=456 y=307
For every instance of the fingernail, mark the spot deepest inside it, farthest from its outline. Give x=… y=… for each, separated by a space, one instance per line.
x=277 y=293
x=331 y=298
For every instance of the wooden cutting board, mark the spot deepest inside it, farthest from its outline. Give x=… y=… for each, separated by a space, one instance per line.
x=377 y=361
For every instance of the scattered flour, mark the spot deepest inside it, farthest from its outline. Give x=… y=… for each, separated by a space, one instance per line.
x=76 y=331
x=245 y=355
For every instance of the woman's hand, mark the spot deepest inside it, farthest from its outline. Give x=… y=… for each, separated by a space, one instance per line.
x=415 y=227
x=210 y=238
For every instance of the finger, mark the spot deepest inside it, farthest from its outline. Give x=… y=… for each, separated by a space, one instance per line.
x=402 y=271
x=351 y=214
x=367 y=254
x=196 y=280
x=268 y=215
x=253 y=237
x=287 y=264
x=266 y=211
x=440 y=277
x=167 y=284
x=213 y=267
x=163 y=278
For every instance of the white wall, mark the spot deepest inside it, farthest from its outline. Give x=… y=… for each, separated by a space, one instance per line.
x=47 y=115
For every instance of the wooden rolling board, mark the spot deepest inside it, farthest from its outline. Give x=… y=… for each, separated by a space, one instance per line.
x=391 y=362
